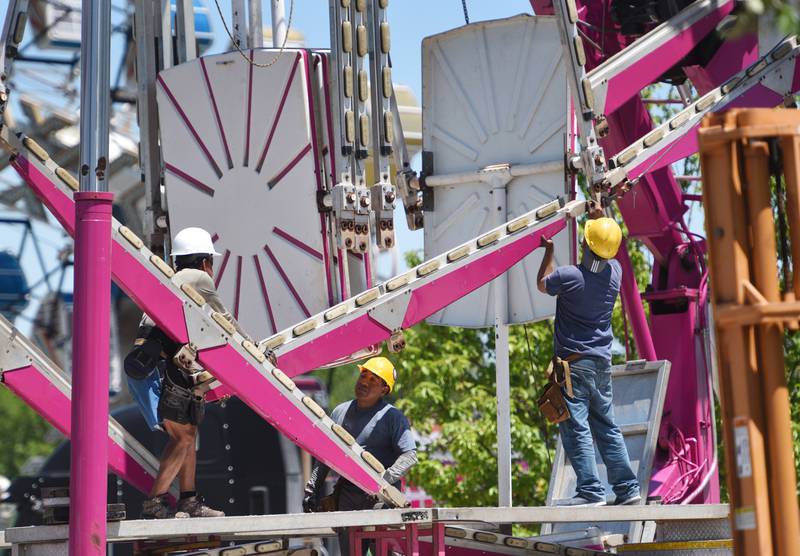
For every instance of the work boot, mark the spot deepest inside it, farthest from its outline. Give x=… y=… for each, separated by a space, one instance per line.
x=579 y=501
x=194 y=507
x=158 y=508
x=629 y=501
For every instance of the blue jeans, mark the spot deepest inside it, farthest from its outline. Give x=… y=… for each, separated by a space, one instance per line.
x=592 y=415
x=146 y=392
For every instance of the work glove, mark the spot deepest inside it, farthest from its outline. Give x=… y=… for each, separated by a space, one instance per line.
x=310 y=501
x=271 y=356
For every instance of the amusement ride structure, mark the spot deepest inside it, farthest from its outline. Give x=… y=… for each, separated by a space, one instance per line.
x=294 y=160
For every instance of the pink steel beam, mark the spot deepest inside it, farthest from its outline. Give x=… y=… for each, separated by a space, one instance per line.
x=630 y=294
x=364 y=330
x=620 y=86
x=30 y=385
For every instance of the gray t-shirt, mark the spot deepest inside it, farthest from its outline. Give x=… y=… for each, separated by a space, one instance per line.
x=389 y=436
x=583 y=309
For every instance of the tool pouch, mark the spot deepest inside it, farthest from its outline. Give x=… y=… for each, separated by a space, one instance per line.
x=185 y=357
x=330 y=503
x=143 y=358
x=197 y=410
x=551 y=402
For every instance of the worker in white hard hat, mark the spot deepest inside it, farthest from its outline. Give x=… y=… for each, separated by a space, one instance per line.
x=582 y=336
x=378 y=427
x=169 y=396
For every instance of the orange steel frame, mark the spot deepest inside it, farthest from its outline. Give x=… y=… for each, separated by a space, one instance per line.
x=751 y=312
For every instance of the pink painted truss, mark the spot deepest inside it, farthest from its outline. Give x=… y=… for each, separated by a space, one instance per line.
x=365 y=320
x=44 y=387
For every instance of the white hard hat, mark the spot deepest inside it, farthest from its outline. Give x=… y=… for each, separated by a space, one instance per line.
x=193 y=241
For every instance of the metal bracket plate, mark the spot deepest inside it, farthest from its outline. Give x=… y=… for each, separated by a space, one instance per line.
x=12 y=354
x=202 y=333
x=390 y=315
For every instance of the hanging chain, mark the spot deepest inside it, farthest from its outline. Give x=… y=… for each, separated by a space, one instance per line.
x=543 y=422
x=239 y=48
x=466 y=13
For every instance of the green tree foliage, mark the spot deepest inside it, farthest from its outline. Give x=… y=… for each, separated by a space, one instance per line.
x=447 y=390
x=792 y=352
x=22 y=432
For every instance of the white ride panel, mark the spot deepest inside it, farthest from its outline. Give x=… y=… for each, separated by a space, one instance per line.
x=241 y=160
x=494 y=92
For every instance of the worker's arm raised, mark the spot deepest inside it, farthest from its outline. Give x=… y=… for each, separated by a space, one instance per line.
x=546 y=268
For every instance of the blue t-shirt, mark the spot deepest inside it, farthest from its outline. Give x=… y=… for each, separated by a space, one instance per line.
x=389 y=436
x=583 y=308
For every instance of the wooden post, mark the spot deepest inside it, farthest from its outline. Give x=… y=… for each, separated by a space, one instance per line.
x=743 y=267
x=743 y=421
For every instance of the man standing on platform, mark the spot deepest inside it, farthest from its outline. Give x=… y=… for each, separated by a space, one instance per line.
x=586 y=294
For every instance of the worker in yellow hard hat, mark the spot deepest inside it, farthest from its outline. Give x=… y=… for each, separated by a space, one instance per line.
x=380 y=428
x=582 y=335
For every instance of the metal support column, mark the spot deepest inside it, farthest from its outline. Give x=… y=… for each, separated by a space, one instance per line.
x=279 y=28
x=592 y=159
x=382 y=192
x=184 y=31
x=255 y=24
x=239 y=24
x=13 y=32
x=632 y=300
x=498 y=178
x=166 y=34
x=89 y=457
x=360 y=41
x=147 y=15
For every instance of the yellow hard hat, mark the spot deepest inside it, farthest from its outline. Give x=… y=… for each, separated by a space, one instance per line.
x=382 y=367
x=603 y=235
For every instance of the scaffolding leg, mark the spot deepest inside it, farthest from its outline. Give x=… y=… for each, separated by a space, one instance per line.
x=412 y=540
x=355 y=535
x=438 y=539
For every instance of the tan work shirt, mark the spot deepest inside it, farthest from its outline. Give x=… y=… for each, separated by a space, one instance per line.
x=204 y=285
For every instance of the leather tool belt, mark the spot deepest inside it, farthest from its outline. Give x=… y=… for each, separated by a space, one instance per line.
x=551 y=402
